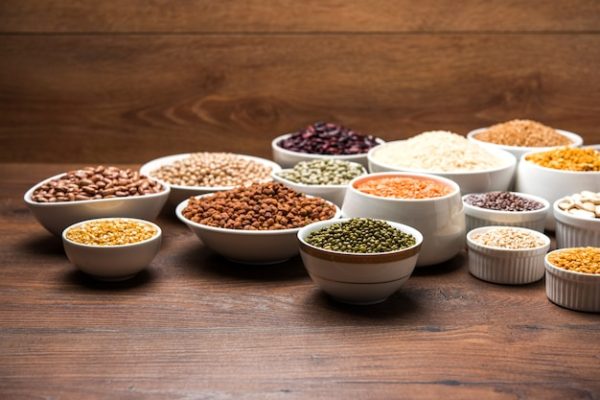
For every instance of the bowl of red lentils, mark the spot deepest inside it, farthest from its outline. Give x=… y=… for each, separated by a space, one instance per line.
x=578 y=219
x=573 y=278
x=112 y=249
x=429 y=203
x=254 y=224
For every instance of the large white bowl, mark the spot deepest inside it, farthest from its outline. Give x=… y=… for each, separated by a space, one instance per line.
x=359 y=278
x=486 y=180
x=182 y=192
x=287 y=158
x=246 y=247
x=112 y=263
x=55 y=217
x=518 y=151
x=553 y=184
x=440 y=220
x=574 y=231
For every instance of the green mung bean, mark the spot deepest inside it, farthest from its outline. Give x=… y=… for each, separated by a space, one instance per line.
x=361 y=235
x=323 y=172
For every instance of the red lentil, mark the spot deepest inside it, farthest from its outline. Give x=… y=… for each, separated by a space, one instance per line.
x=403 y=187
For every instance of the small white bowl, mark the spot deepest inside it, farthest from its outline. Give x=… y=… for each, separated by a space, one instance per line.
x=478 y=217
x=553 y=184
x=182 y=192
x=287 y=158
x=55 y=217
x=246 y=247
x=480 y=181
x=574 y=231
x=507 y=266
x=570 y=289
x=112 y=263
x=359 y=278
x=518 y=151
x=441 y=220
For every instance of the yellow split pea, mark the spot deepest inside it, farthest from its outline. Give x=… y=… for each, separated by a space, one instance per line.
x=578 y=259
x=111 y=232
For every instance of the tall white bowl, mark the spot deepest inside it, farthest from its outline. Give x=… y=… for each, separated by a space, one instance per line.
x=182 y=192
x=574 y=231
x=485 y=180
x=441 y=220
x=55 y=217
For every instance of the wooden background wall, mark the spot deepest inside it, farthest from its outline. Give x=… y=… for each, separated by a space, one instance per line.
x=130 y=80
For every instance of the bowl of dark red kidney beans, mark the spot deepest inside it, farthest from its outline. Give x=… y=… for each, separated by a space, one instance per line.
x=323 y=140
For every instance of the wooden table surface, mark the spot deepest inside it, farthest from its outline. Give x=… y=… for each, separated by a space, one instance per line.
x=194 y=326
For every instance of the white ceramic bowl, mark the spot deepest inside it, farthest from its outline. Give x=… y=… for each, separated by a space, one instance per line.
x=55 y=217
x=574 y=231
x=507 y=266
x=553 y=184
x=246 y=247
x=486 y=180
x=112 y=263
x=478 y=217
x=518 y=151
x=570 y=289
x=440 y=220
x=182 y=192
x=287 y=158
x=359 y=278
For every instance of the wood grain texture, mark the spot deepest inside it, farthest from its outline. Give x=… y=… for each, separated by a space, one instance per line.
x=89 y=98
x=196 y=326
x=298 y=16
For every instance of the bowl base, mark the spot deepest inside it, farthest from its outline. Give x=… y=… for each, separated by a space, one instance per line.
x=258 y=262
x=358 y=303
x=111 y=278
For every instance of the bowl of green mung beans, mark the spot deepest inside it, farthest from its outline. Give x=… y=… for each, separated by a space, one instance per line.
x=359 y=260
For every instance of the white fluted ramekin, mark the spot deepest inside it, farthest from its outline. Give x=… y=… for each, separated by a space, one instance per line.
x=574 y=231
x=573 y=290
x=506 y=266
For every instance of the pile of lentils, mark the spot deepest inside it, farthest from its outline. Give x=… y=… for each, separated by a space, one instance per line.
x=502 y=201
x=585 y=260
x=323 y=172
x=361 y=235
x=261 y=206
x=328 y=138
x=523 y=133
x=212 y=170
x=585 y=204
x=111 y=232
x=568 y=159
x=508 y=238
x=95 y=183
x=400 y=187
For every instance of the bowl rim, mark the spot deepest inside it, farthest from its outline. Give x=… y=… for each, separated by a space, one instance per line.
x=576 y=139
x=347 y=157
x=551 y=267
x=524 y=161
x=269 y=232
x=180 y=156
x=156 y=236
x=276 y=176
x=562 y=215
x=544 y=202
x=473 y=244
x=500 y=153
x=448 y=182
x=27 y=196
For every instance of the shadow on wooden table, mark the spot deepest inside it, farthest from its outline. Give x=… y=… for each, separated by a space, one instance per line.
x=78 y=278
x=45 y=243
x=447 y=267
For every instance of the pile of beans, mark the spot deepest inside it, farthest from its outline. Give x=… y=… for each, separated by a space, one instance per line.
x=403 y=187
x=361 y=235
x=568 y=159
x=94 y=183
x=111 y=232
x=585 y=204
x=502 y=201
x=524 y=133
x=328 y=138
x=577 y=259
x=212 y=170
x=261 y=206
x=438 y=151
x=323 y=172
x=508 y=238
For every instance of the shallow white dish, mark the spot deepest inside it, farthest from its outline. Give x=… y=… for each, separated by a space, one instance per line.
x=55 y=217
x=182 y=192
x=478 y=217
x=246 y=247
x=572 y=290
x=441 y=220
x=112 y=263
x=574 y=231
x=287 y=158
x=506 y=266
x=359 y=278
x=487 y=180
